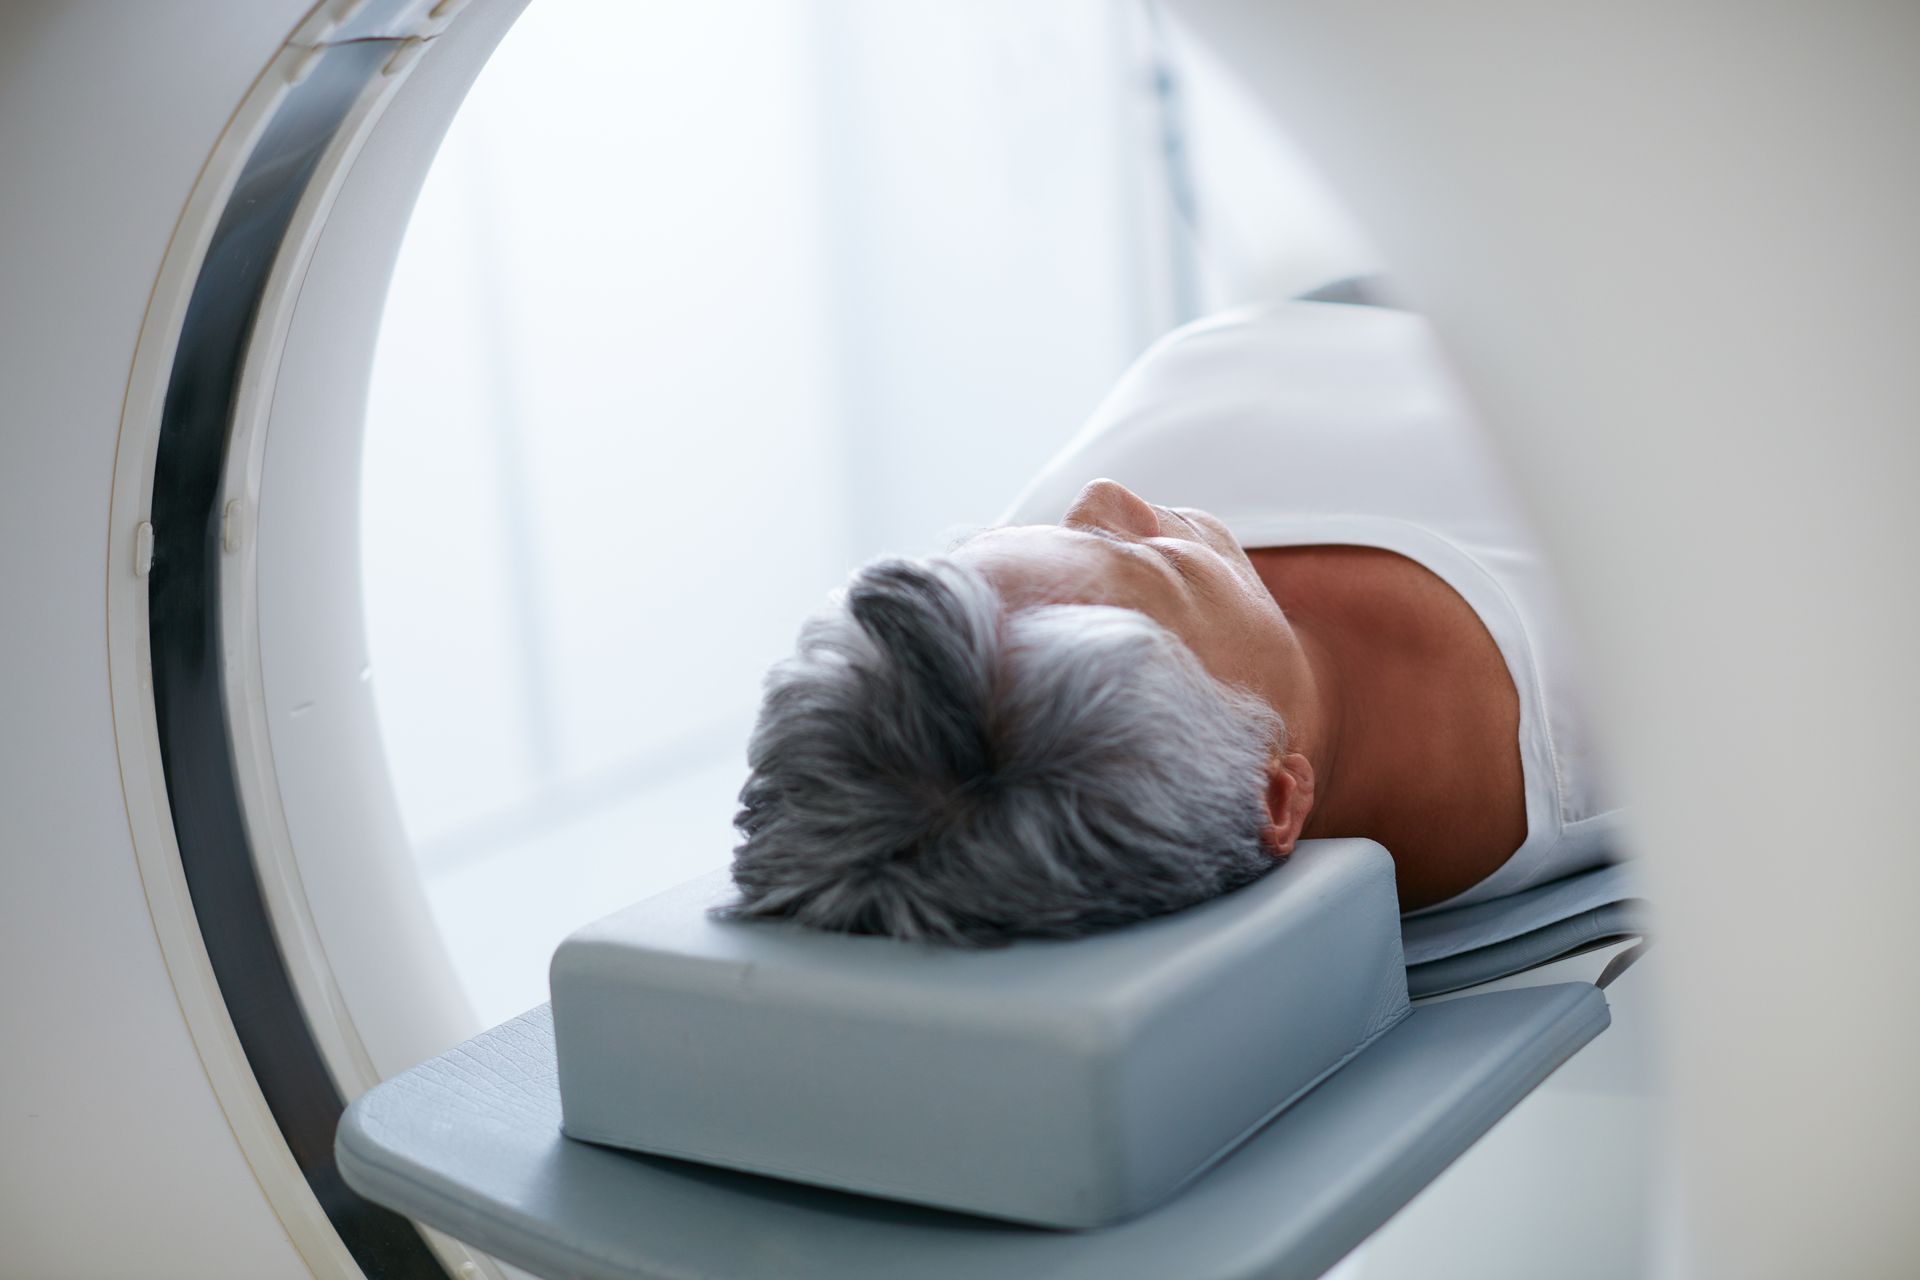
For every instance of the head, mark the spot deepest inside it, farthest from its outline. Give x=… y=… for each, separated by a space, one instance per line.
x=1053 y=730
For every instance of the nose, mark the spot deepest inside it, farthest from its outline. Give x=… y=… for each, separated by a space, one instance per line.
x=1110 y=505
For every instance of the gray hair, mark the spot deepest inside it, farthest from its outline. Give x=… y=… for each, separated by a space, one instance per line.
x=930 y=765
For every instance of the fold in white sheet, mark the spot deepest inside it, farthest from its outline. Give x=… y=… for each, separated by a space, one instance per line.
x=1440 y=934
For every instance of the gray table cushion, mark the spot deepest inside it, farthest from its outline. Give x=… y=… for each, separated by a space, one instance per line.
x=470 y=1143
x=1461 y=947
x=1058 y=1083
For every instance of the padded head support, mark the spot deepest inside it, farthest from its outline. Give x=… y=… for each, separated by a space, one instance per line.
x=1060 y=1083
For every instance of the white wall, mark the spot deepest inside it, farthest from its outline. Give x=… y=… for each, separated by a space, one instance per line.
x=703 y=305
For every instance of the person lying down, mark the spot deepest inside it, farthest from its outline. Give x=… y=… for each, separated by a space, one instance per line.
x=1309 y=611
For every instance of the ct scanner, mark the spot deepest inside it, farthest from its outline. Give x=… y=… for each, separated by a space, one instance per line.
x=1670 y=248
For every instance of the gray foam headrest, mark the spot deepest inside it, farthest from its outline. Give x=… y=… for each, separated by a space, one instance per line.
x=1060 y=1083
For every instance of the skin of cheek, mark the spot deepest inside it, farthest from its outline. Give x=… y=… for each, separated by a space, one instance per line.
x=1238 y=638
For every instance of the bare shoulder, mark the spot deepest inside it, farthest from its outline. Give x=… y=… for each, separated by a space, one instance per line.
x=1437 y=704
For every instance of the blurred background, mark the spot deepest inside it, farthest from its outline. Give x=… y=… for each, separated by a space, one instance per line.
x=703 y=305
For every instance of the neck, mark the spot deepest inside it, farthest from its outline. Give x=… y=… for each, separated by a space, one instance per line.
x=1410 y=717
x=1334 y=719
x=1317 y=729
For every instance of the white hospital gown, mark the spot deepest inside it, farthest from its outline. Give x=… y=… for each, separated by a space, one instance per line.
x=1313 y=423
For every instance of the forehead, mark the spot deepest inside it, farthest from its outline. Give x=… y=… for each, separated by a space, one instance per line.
x=1051 y=564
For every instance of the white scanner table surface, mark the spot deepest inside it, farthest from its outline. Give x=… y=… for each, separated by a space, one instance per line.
x=470 y=1143
x=1065 y=1084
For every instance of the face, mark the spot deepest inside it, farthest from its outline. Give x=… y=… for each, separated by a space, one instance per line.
x=1178 y=566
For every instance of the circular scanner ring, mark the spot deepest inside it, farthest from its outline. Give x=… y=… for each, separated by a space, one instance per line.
x=278 y=1038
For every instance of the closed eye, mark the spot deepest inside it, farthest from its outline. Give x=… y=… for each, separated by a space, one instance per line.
x=1165 y=555
x=1132 y=546
x=1196 y=564
x=1179 y=552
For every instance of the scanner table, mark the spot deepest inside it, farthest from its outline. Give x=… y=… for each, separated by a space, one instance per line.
x=472 y=1142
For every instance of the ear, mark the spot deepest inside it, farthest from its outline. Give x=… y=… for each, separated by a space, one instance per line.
x=1289 y=801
